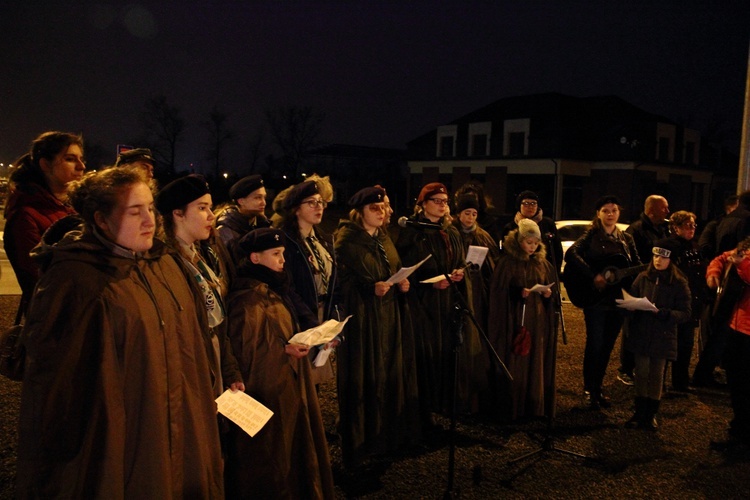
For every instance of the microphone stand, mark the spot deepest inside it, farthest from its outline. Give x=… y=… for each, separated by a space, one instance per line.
x=549 y=442
x=461 y=309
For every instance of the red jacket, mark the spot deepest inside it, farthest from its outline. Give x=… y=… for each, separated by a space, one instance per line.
x=740 y=320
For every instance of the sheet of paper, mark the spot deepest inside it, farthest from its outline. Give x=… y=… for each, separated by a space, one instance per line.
x=322 y=357
x=476 y=255
x=244 y=411
x=405 y=272
x=434 y=279
x=540 y=288
x=635 y=304
x=321 y=334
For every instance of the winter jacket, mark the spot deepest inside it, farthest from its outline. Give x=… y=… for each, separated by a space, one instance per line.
x=740 y=319
x=655 y=334
x=645 y=233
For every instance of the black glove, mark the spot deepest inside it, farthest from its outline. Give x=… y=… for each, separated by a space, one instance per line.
x=663 y=314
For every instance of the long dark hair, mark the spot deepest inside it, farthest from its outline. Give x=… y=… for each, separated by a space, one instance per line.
x=47 y=146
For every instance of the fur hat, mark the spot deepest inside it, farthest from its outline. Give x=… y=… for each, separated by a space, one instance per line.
x=666 y=248
x=245 y=186
x=261 y=239
x=180 y=192
x=526 y=195
x=467 y=201
x=527 y=228
x=431 y=190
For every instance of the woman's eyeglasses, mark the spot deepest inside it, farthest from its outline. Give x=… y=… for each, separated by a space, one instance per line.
x=439 y=201
x=315 y=203
x=376 y=208
x=528 y=203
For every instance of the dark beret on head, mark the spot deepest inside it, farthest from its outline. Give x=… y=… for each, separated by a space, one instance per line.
x=366 y=196
x=134 y=155
x=261 y=239
x=607 y=199
x=431 y=190
x=180 y=192
x=526 y=195
x=245 y=186
x=298 y=193
x=467 y=201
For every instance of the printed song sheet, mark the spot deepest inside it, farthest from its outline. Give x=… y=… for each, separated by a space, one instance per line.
x=321 y=334
x=244 y=411
x=635 y=304
x=405 y=272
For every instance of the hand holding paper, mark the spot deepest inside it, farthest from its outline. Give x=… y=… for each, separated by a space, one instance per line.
x=543 y=289
x=321 y=334
x=244 y=411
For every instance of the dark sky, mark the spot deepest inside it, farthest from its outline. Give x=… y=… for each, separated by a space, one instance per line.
x=383 y=73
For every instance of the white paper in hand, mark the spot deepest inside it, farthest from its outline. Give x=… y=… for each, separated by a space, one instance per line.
x=321 y=334
x=244 y=411
x=635 y=304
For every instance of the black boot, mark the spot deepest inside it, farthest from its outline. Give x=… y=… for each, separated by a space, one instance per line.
x=649 y=420
x=640 y=412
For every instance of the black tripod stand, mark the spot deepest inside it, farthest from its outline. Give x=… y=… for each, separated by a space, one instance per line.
x=549 y=442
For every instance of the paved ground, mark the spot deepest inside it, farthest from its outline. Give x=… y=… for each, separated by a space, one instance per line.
x=676 y=462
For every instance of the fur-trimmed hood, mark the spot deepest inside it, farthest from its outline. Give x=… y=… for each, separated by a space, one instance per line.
x=512 y=247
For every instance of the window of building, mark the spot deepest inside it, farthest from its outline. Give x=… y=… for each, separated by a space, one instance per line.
x=663 y=154
x=479 y=145
x=516 y=143
x=479 y=138
x=515 y=137
x=690 y=153
x=446 y=141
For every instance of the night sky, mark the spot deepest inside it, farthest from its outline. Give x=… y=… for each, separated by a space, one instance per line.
x=383 y=73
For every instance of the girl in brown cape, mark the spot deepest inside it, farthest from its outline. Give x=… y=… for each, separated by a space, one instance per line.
x=523 y=265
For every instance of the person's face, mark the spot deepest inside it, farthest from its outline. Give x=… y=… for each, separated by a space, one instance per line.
x=435 y=206
x=373 y=216
x=65 y=167
x=196 y=221
x=388 y=210
x=311 y=209
x=687 y=229
x=529 y=208
x=467 y=217
x=254 y=203
x=529 y=245
x=273 y=258
x=608 y=215
x=661 y=263
x=659 y=211
x=147 y=167
x=132 y=222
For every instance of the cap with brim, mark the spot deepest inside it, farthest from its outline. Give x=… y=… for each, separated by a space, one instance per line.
x=666 y=247
x=604 y=200
x=135 y=155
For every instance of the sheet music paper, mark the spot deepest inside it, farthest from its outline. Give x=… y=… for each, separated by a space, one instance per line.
x=476 y=255
x=635 y=304
x=244 y=411
x=541 y=288
x=405 y=272
x=321 y=334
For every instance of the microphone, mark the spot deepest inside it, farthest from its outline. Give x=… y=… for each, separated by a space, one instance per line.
x=404 y=221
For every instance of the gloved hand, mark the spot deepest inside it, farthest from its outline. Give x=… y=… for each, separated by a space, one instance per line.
x=663 y=314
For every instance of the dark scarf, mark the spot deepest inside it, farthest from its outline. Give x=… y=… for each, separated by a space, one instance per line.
x=278 y=282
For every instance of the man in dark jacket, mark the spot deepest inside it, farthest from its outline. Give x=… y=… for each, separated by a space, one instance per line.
x=735 y=227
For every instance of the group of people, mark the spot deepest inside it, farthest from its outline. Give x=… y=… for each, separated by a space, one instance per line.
x=141 y=306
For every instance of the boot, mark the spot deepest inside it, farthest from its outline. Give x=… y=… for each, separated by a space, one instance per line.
x=640 y=412
x=649 y=420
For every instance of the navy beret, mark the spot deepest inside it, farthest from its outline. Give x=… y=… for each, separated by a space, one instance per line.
x=298 y=193
x=261 y=239
x=180 y=192
x=366 y=196
x=245 y=186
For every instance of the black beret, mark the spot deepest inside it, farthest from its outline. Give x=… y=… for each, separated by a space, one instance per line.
x=180 y=192
x=526 y=195
x=467 y=201
x=299 y=192
x=366 y=196
x=261 y=239
x=245 y=186
x=607 y=199
x=667 y=247
x=134 y=155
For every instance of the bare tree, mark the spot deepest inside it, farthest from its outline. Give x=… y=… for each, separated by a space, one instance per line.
x=294 y=130
x=255 y=149
x=165 y=126
x=219 y=134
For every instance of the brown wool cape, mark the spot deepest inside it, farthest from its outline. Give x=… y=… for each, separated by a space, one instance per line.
x=116 y=399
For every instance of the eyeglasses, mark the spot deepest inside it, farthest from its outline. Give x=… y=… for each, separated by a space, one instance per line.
x=528 y=203
x=439 y=201
x=315 y=203
x=376 y=208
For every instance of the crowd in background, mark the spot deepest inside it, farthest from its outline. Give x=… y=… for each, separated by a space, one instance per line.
x=141 y=305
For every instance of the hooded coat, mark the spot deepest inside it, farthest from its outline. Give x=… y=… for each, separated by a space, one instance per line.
x=288 y=458
x=532 y=391
x=117 y=397
x=377 y=374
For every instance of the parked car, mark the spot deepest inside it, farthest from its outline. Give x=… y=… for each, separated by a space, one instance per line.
x=569 y=231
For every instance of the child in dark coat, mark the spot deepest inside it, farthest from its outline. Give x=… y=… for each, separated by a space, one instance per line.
x=653 y=335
